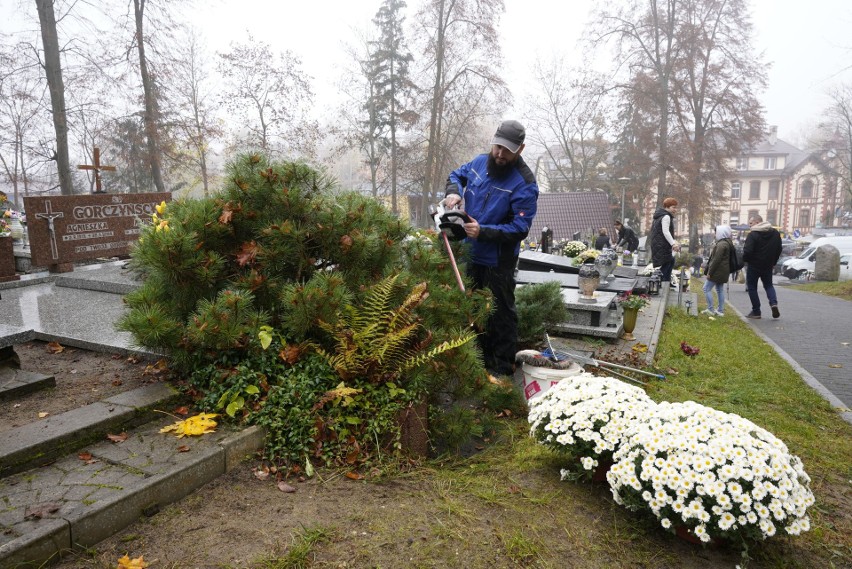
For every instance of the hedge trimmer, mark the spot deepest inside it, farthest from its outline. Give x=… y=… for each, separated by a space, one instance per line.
x=450 y=224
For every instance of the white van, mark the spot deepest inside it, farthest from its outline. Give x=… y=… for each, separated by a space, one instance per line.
x=804 y=263
x=846 y=267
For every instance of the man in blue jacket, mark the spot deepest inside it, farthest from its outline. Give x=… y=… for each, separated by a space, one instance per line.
x=500 y=195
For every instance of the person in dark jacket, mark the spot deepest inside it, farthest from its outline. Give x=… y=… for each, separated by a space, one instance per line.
x=626 y=237
x=760 y=253
x=602 y=240
x=718 y=271
x=663 y=244
x=500 y=196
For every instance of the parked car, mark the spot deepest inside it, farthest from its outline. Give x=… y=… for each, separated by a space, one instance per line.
x=846 y=268
x=803 y=264
x=779 y=266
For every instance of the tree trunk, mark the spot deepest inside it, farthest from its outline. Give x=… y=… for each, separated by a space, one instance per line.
x=152 y=110
x=53 y=73
x=434 y=122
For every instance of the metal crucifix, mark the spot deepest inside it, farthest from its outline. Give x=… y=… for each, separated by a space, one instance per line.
x=96 y=166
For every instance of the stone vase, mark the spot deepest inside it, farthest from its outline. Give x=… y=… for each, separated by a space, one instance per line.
x=606 y=262
x=588 y=279
x=17 y=228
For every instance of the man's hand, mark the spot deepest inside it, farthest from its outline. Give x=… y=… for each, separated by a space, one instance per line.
x=452 y=201
x=472 y=228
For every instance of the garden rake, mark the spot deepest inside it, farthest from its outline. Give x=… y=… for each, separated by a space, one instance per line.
x=586 y=360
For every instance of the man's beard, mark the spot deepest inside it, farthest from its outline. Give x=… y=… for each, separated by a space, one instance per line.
x=497 y=171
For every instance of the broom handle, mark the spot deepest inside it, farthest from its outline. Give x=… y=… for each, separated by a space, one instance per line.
x=453 y=262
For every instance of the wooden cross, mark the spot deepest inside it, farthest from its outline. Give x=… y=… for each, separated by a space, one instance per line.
x=97 y=168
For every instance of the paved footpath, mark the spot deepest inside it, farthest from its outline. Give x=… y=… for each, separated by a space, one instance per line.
x=814 y=334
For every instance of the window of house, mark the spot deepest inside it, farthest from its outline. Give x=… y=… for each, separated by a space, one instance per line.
x=769 y=163
x=772 y=216
x=742 y=163
x=807 y=189
x=805 y=218
x=774 y=189
x=735 y=190
x=735 y=218
x=754 y=191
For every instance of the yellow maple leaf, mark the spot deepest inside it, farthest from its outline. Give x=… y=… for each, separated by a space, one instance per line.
x=196 y=425
x=127 y=563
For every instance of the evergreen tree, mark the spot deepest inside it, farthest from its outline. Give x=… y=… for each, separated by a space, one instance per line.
x=387 y=73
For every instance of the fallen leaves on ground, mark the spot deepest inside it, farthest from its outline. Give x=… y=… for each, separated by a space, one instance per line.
x=354 y=476
x=284 y=487
x=689 y=350
x=38 y=511
x=183 y=448
x=54 y=348
x=196 y=425
x=43 y=415
x=119 y=438
x=640 y=348
x=87 y=457
x=127 y=563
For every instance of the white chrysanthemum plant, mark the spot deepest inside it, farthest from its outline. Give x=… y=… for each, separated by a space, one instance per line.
x=715 y=474
x=585 y=417
x=573 y=248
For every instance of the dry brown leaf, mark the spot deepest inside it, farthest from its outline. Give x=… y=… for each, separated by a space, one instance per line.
x=54 y=348
x=42 y=415
x=354 y=476
x=120 y=438
x=85 y=456
x=38 y=511
x=183 y=448
x=261 y=473
x=284 y=487
x=183 y=411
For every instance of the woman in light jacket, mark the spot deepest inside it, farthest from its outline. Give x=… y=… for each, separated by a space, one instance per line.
x=718 y=270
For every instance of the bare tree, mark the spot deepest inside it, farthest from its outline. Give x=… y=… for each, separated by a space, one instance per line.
x=151 y=116
x=569 y=116
x=269 y=95
x=835 y=138
x=53 y=74
x=461 y=48
x=647 y=45
x=716 y=111
x=21 y=102
x=195 y=119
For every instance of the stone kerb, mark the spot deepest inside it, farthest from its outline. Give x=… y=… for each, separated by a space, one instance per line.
x=827 y=263
x=67 y=229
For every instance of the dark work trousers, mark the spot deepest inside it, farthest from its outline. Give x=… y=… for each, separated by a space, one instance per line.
x=500 y=341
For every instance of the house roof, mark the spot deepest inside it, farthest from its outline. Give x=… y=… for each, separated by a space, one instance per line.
x=566 y=213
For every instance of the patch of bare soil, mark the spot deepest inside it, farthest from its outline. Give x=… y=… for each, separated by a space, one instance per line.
x=427 y=519
x=82 y=377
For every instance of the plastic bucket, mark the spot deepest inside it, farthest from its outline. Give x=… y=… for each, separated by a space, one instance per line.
x=537 y=380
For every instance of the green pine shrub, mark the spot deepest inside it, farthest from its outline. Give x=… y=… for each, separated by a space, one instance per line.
x=540 y=307
x=315 y=313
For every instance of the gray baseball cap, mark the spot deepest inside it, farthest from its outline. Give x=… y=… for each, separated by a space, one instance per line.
x=511 y=135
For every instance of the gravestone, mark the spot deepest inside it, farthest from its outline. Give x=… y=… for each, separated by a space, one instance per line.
x=827 y=263
x=7 y=260
x=67 y=229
